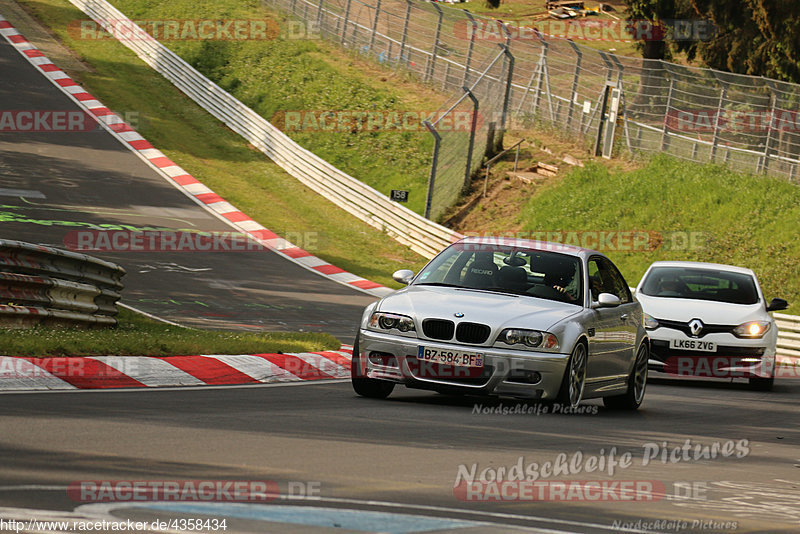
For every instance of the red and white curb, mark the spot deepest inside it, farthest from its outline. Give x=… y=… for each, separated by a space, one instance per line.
x=177 y=176
x=106 y=372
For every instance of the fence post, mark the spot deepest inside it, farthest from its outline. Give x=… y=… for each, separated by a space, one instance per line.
x=405 y=30
x=507 y=97
x=375 y=24
x=773 y=102
x=715 y=141
x=437 y=141
x=293 y=7
x=346 y=17
x=621 y=85
x=666 y=114
x=468 y=61
x=573 y=97
x=432 y=63
x=472 y=131
x=319 y=15
x=540 y=70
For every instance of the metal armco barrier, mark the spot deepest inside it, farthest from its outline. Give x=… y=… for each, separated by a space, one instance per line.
x=421 y=235
x=788 y=335
x=41 y=284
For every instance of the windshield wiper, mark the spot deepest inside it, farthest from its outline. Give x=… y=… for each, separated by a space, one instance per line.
x=441 y=284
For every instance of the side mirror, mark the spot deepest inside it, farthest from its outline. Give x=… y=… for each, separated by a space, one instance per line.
x=777 y=304
x=403 y=276
x=606 y=300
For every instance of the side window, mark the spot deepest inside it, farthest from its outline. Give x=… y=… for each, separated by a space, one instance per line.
x=595 y=278
x=613 y=281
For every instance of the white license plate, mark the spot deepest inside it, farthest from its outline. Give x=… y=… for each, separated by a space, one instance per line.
x=450 y=357
x=693 y=344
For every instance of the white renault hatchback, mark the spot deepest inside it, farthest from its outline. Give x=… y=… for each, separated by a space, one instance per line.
x=709 y=320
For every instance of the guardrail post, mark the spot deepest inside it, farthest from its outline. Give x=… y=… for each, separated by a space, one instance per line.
x=472 y=131
x=375 y=24
x=437 y=142
x=404 y=38
x=474 y=30
x=346 y=19
x=432 y=63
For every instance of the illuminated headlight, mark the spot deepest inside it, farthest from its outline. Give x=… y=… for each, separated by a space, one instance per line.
x=649 y=322
x=529 y=338
x=751 y=329
x=390 y=321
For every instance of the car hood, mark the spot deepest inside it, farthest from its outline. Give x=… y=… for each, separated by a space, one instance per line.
x=710 y=312
x=493 y=309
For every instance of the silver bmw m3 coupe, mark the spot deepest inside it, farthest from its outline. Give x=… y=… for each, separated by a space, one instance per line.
x=507 y=317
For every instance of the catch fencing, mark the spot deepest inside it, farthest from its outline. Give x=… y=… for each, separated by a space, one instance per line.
x=44 y=285
x=751 y=124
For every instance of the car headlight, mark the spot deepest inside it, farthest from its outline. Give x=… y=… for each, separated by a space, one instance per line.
x=390 y=321
x=529 y=338
x=649 y=322
x=751 y=329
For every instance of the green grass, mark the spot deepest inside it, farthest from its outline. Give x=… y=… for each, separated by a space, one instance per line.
x=702 y=213
x=218 y=157
x=279 y=75
x=137 y=335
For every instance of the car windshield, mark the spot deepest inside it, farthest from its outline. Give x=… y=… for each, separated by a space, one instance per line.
x=700 y=284
x=506 y=269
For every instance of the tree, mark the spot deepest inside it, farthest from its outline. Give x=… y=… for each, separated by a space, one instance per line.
x=756 y=37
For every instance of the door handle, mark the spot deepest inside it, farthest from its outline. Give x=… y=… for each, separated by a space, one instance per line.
x=624 y=316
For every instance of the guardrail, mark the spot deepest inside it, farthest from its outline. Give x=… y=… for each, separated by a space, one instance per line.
x=788 y=335
x=405 y=226
x=41 y=284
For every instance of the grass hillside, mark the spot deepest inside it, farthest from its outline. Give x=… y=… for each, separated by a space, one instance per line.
x=287 y=74
x=700 y=213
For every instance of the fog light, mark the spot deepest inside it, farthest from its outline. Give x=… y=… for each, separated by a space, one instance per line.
x=523 y=376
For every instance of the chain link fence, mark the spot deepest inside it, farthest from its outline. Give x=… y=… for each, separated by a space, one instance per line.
x=517 y=77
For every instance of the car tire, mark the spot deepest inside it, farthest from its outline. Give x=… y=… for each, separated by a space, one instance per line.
x=762 y=384
x=637 y=383
x=367 y=387
x=572 y=385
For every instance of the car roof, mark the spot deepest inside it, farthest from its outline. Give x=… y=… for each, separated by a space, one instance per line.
x=703 y=265
x=548 y=246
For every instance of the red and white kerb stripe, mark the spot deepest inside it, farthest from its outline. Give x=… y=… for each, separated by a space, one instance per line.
x=104 y=372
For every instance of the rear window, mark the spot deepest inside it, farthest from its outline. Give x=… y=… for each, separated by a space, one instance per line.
x=700 y=284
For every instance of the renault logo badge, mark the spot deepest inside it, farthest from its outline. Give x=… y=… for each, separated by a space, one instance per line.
x=695 y=327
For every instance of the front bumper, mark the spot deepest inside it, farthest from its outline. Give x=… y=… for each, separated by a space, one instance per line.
x=733 y=358
x=505 y=372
